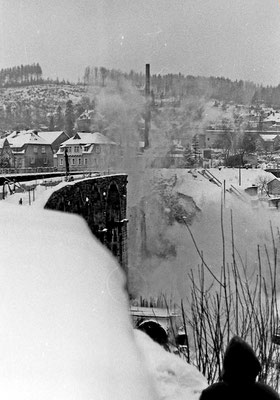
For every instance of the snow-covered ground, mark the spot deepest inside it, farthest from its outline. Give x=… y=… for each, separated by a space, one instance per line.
x=66 y=331
x=65 y=327
x=173 y=378
x=168 y=195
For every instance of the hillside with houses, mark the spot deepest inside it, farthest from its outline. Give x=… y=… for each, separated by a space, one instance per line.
x=187 y=129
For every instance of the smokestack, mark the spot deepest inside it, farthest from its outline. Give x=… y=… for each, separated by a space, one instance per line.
x=147 y=88
x=148 y=111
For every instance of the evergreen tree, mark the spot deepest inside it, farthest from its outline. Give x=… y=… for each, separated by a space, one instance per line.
x=69 y=118
x=59 y=120
x=104 y=74
x=51 y=123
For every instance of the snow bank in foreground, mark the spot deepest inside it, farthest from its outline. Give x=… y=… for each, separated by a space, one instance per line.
x=174 y=378
x=65 y=327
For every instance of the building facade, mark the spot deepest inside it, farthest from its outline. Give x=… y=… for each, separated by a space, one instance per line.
x=87 y=151
x=30 y=150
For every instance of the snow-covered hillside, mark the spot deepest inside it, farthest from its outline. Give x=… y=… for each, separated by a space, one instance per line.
x=165 y=197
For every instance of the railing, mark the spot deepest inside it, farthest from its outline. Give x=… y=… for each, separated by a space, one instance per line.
x=30 y=170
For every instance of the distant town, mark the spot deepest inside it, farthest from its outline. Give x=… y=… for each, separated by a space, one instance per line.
x=203 y=122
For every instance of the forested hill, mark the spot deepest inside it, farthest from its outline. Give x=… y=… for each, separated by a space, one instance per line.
x=178 y=86
x=24 y=75
x=181 y=86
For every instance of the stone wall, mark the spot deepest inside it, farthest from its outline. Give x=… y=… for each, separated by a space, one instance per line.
x=101 y=201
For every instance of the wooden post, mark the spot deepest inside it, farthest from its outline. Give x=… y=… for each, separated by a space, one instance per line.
x=239 y=176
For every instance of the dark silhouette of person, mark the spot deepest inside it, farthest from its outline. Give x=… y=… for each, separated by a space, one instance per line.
x=238 y=381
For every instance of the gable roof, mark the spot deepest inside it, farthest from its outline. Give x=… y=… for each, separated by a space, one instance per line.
x=51 y=136
x=273 y=180
x=20 y=138
x=84 y=138
x=3 y=142
x=269 y=138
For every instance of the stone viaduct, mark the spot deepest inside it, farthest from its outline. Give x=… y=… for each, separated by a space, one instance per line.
x=102 y=202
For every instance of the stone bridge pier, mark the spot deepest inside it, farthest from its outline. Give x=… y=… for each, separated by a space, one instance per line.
x=102 y=202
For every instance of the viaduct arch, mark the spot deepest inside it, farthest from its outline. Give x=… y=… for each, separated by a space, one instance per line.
x=102 y=202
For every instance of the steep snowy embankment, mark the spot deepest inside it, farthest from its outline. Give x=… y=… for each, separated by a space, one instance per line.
x=168 y=254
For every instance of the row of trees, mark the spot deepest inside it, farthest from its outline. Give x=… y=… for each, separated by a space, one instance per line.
x=21 y=75
x=25 y=75
x=180 y=86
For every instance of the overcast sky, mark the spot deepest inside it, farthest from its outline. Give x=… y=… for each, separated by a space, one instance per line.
x=238 y=39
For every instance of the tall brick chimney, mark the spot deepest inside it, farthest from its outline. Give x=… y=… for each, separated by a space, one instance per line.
x=148 y=111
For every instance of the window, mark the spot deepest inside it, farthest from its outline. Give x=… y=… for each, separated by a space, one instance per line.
x=85 y=161
x=76 y=149
x=80 y=161
x=69 y=149
x=35 y=149
x=45 y=160
x=73 y=161
x=43 y=149
x=32 y=160
x=61 y=161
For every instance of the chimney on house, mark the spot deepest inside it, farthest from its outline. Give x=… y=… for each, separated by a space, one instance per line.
x=148 y=111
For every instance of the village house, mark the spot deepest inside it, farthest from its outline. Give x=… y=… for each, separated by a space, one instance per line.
x=272 y=121
x=273 y=187
x=87 y=151
x=30 y=150
x=54 y=138
x=270 y=142
x=84 y=121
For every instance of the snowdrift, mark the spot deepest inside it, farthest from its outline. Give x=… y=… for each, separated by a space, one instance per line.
x=174 y=378
x=65 y=327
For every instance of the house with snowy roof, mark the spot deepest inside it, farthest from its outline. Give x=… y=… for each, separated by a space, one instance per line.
x=30 y=150
x=273 y=187
x=270 y=142
x=272 y=121
x=54 y=138
x=90 y=121
x=87 y=150
x=84 y=121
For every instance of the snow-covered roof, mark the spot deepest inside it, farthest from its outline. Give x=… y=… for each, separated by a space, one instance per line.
x=274 y=117
x=87 y=114
x=84 y=138
x=2 y=141
x=50 y=136
x=268 y=138
x=20 y=138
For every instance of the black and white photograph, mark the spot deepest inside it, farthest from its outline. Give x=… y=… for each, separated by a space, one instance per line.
x=139 y=199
